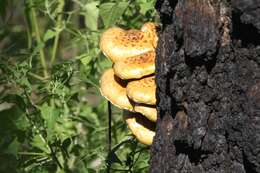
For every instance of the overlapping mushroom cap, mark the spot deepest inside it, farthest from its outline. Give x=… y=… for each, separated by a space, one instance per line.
x=118 y=44
x=142 y=91
x=135 y=67
x=149 y=111
x=114 y=90
x=142 y=128
x=150 y=29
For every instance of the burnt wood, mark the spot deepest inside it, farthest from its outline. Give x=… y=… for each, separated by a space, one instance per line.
x=208 y=87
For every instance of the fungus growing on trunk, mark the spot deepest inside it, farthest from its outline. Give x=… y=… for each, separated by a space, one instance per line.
x=128 y=85
x=142 y=91
x=135 y=67
x=114 y=90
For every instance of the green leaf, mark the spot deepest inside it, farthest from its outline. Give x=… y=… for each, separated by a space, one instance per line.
x=110 y=12
x=50 y=115
x=85 y=59
x=13 y=147
x=8 y=120
x=145 y=6
x=49 y=35
x=91 y=15
x=39 y=142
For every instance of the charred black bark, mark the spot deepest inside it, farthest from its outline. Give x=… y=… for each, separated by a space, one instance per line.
x=208 y=87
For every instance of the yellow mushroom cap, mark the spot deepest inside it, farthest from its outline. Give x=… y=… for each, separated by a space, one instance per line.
x=135 y=67
x=114 y=90
x=118 y=44
x=150 y=29
x=149 y=111
x=142 y=91
x=142 y=128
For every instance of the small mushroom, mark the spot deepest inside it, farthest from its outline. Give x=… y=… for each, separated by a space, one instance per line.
x=114 y=90
x=142 y=128
x=118 y=44
x=142 y=91
x=135 y=67
x=149 y=111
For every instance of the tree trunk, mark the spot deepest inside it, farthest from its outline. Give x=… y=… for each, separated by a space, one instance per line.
x=208 y=87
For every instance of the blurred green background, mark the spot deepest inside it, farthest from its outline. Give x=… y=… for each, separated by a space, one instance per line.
x=52 y=116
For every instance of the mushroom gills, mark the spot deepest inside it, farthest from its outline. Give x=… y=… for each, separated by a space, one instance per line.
x=149 y=111
x=142 y=128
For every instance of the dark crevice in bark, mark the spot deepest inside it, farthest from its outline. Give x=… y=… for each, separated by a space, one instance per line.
x=208 y=64
x=249 y=167
x=195 y=155
x=168 y=7
x=246 y=33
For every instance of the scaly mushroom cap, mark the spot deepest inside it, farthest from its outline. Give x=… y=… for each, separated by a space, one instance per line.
x=118 y=44
x=135 y=67
x=149 y=111
x=142 y=128
x=150 y=29
x=142 y=91
x=114 y=90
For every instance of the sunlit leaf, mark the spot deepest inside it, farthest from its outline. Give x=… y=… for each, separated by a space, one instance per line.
x=49 y=35
x=39 y=142
x=111 y=11
x=91 y=15
x=50 y=115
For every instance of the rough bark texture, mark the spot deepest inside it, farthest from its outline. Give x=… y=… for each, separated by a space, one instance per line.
x=208 y=87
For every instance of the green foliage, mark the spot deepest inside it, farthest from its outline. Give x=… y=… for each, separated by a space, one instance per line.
x=52 y=116
x=111 y=11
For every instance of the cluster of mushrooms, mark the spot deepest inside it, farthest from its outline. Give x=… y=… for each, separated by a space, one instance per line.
x=130 y=84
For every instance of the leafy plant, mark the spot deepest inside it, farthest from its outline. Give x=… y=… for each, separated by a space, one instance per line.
x=52 y=116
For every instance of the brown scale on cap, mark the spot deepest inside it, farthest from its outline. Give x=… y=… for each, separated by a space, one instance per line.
x=118 y=44
x=142 y=128
x=135 y=67
x=114 y=90
x=142 y=91
x=150 y=29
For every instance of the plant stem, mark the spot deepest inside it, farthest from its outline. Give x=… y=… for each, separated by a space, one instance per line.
x=32 y=153
x=109 y=132
x=109 y=126
x=38 y=38
x=36 y=76
x=56 y=39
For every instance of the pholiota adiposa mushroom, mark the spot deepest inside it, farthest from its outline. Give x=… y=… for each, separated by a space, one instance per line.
x=142 y=91
x=118 y=44
x=141 y=127
x=129 y=84
x=135 y=67
x=114 y=89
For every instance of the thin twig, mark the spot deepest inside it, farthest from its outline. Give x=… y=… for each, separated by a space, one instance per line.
x=109 y=126
x=54 y=157
x=36 y=76
x=109 y=131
